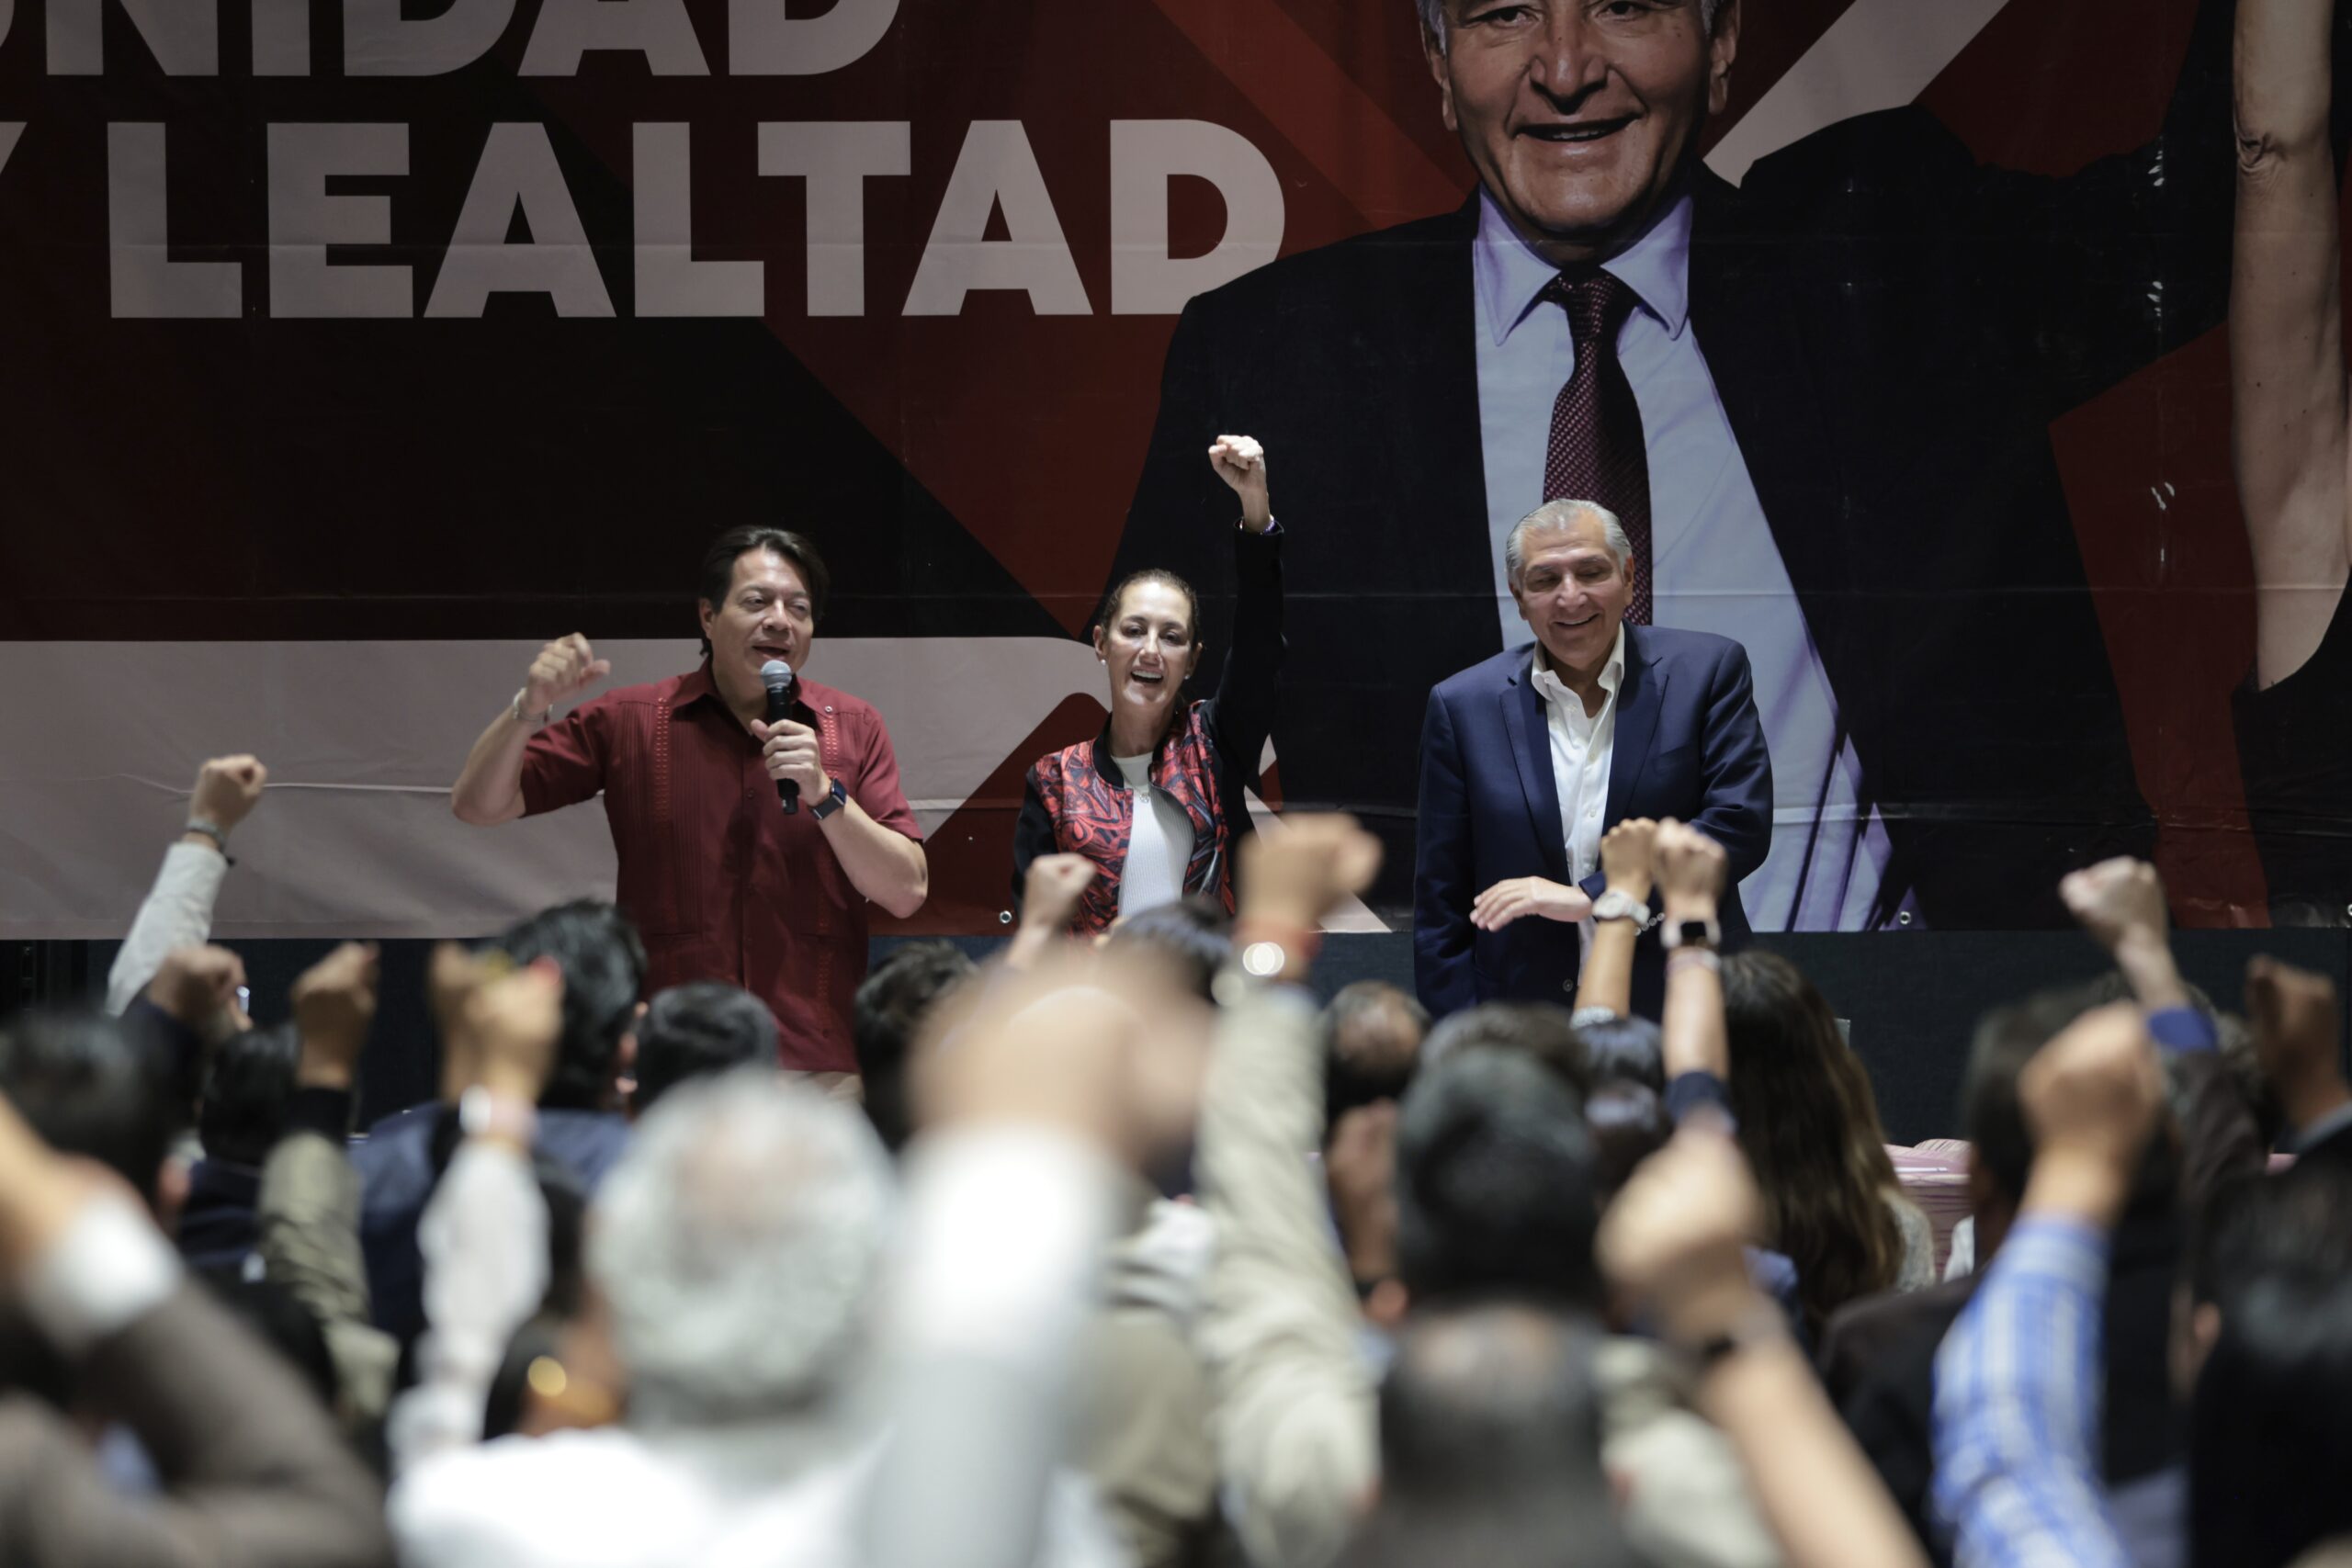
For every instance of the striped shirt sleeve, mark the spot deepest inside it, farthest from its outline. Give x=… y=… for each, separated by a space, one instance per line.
x=2017 y=1408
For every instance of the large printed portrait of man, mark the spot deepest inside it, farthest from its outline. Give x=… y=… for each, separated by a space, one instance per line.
x=1847 y=367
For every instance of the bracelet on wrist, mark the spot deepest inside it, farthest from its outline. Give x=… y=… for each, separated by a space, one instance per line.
x=539 y=720
x=204 y=827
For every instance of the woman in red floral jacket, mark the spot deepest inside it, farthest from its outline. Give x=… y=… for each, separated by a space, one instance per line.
x=1157 y=801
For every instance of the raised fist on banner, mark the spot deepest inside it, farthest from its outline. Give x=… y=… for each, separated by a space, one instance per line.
x=564 y=669
x=1240 y=462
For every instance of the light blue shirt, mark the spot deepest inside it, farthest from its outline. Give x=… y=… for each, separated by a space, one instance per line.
x=1715 y=566
x=2017 y=1407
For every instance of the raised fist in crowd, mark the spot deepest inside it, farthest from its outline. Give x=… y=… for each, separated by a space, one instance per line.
x=1674 y=1240
x=1292 y=877
x=2294 y=1014
x=1629 y=858
x=2118 y=901
x=197 y=986
x=227 y=788
x=2091 y=1096
x=1049 y=893
x=335 y=1002
x=1690 y=870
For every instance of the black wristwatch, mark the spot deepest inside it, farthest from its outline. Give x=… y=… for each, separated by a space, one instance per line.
x=835 y=799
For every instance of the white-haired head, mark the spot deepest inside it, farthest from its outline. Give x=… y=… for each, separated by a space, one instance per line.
x=1561 y=517
x=738 y=1242
x=1434 y=16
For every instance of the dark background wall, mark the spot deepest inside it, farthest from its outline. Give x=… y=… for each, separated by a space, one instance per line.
x=1913 y=997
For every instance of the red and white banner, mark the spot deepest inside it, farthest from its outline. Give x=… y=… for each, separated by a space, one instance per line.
x=347 y=353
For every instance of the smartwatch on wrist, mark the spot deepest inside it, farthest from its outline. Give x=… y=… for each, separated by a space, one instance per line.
x=1706 y=933
x=831 y=801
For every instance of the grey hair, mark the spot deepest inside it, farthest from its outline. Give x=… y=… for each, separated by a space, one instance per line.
x=1558 y=517
x=1433 y=17
x=739 y=1241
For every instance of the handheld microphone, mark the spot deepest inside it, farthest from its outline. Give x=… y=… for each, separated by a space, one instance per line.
x=783 y=691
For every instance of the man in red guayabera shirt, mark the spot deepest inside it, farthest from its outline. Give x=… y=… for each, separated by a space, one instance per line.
x=723 y=882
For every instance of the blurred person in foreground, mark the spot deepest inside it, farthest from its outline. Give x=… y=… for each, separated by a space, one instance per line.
x=579 y=1131
x=2263 y=1338
x=888 y=1020
x=1372 y=1034
x=789 y=1401
x=2018 y=1377
x=1140 y=1423
x=694 y=1031
x=1878 y=1359
x=247 y=1467
x=248 y=1088
x=1490 y=1440
x=1496 y=1197
x=2266 y=1340
x=1141 y=1415
x=1674 y=1245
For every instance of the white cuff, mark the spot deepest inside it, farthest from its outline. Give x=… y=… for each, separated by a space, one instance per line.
x=1005 y=1228
x=110 y=1268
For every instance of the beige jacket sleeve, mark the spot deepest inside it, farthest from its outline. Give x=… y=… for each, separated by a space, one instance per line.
x=1685 y=1499
x=309 y=1215
x=1296 y=1413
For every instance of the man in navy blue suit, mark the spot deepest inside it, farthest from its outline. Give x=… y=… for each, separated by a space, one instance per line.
x=1527 y=758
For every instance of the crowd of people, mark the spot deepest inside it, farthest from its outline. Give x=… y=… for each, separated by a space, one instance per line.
x=1138 y=1251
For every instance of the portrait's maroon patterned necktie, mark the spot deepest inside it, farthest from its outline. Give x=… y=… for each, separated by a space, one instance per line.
x=1596 y=451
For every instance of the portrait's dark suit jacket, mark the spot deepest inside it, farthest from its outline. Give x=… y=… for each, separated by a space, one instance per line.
x=1687 y=744
x=1892 y=328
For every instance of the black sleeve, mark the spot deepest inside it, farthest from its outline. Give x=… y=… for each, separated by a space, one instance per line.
x=175 y=1051
x=327 y=1111
x=1242 y=715
x=2295 y=757
x=1031 y=836
x=1180 y=503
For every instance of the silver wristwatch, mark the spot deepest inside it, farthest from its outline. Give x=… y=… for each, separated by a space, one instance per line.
x=1616 y=903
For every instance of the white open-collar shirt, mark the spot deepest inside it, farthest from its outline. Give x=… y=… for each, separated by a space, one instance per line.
x=1582 y=745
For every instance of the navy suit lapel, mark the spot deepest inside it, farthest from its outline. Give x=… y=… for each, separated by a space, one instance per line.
x=1639 y=696
x=1531 y=747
